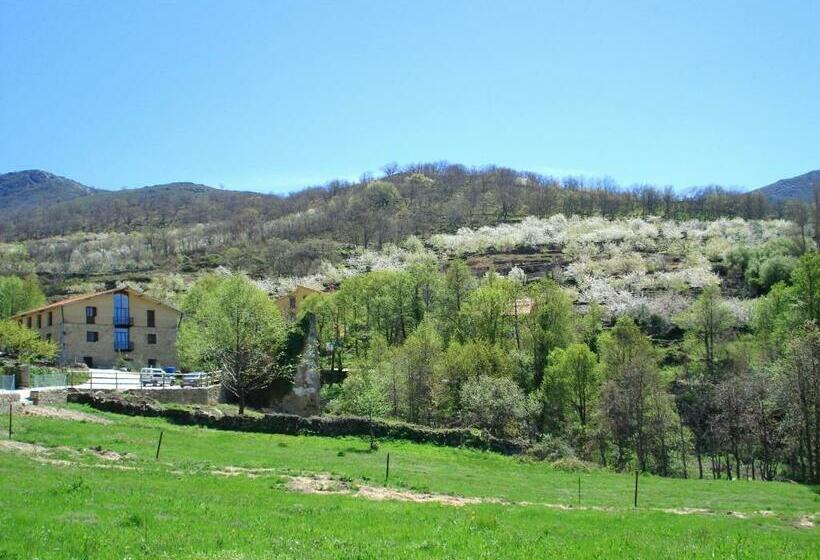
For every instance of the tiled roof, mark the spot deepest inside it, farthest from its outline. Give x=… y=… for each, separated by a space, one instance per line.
x=82 y=297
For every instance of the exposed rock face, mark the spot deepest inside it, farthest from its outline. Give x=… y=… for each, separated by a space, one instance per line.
x=303 y=400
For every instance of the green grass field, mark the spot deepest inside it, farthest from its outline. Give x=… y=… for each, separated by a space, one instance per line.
x=69 y=502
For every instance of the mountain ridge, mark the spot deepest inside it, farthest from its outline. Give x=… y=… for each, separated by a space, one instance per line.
x=34 y=187
x=799 y=187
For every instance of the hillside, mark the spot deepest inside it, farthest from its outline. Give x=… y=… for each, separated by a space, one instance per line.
x=420 y=200
x=794 y=188
x=23 y=190
x=187 y=228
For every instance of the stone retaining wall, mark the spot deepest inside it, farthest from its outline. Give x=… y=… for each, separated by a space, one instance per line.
x=7 y=399
x=329 y=426
x=180 y=395
x=48 y=397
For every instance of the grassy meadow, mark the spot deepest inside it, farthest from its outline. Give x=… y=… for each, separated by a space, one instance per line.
x=69 y=501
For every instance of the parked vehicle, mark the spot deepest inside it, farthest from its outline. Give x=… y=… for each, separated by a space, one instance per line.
x=195 y=379
x=155 y=377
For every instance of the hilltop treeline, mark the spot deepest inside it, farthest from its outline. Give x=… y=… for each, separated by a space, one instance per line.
x=517 y=359
x=415 y=200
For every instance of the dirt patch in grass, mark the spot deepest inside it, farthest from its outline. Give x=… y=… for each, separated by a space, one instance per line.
x=23 y=447
x=45 y=455
x=63 y=414
x=688 y=511
x=38 y=452
x=326 y=484
x=381 y=493
x=803 y=523
x=109 y=455
x=242 y=471
x=318 y=484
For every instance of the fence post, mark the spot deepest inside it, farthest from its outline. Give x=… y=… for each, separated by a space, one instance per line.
x=579 y=490
x=116 y=379
x=636 y=488
x=159 y=444
x=10 y=408
x=387 y=470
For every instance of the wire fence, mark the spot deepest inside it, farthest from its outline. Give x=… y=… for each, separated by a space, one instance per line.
x=6 y=383
x=38 y=381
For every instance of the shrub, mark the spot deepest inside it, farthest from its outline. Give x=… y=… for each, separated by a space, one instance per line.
x=572 y=464
x=494 y=404
x=552 y=448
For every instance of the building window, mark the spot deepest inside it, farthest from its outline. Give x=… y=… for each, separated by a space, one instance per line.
x=90 y=315
x=122 y=314
x=122 y=343
x=50 y=318
x=149 y=318
x=152 y=338
x=89 y=361
x=39 y=321
x=152 y=362
x=28 y=322
x=92 y=336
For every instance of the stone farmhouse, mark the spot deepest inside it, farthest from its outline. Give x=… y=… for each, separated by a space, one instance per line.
x=108 y=328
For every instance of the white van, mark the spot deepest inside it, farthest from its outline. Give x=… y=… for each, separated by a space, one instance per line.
x=155 y=376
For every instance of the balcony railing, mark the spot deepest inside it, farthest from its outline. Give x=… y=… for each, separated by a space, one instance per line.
x=124 y=346
x=123 y=320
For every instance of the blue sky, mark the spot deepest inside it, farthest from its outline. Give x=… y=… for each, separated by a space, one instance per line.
x=275 y=95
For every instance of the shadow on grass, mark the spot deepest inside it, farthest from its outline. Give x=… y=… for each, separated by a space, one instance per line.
x=360 y=451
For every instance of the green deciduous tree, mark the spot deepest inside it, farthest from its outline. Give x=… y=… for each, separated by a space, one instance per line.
x=709 y=324
x=550 y=324
x=573 y=378
x=19 y=294
x=488 y=310
x=25 y=343
x=232 y=326
x=363 y=393
x=798 y=379
x=633 y=401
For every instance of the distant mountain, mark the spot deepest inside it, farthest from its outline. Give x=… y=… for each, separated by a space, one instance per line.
x=795 y=188
x=34 y=188
x=55 y=205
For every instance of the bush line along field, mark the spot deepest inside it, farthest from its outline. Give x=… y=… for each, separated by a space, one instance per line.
x=94 y=490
